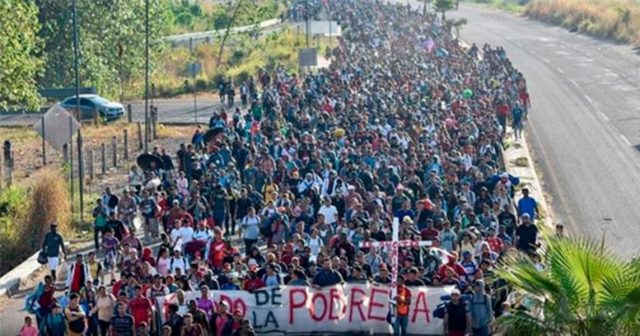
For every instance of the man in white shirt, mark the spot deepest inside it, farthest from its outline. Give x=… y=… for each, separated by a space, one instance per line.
x=329 y=211
x=186 y=235
x=175 y=233
x=178 y=261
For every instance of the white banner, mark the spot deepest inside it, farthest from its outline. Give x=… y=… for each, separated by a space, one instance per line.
x=337 y=309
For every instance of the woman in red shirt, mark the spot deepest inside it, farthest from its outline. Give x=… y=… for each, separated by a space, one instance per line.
x=216 y=249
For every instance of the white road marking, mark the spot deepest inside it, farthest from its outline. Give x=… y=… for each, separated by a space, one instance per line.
x=532 y=51
x=560 y=70
x=574 y=83
x=624 y=138
x=588 y=98
x=603 y=116
x=546 y=60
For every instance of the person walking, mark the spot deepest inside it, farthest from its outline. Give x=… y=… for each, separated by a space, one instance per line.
x=52 y=244
x=55 y=323
x=481 y=311
x=100 y=215
x=403 y=301
x=457 y=318
x=122 y=324
x=75 y=316
x=105 y=306
x=251 y=228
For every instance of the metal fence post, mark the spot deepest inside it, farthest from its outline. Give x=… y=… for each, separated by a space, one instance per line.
x=140 y=145
x=65 y=153
x=125 y=135
x=1 y=169
x=8 y=162
x=114 y=151
x=103 y=155
x=44 y=144
x=155 y=123
x=96 y=116
x=91 y=164
x=129 y=116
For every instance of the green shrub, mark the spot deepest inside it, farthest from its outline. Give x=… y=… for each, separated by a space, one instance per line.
x=28 y=211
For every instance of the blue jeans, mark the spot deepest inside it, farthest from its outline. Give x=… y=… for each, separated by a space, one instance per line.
x=401 y=322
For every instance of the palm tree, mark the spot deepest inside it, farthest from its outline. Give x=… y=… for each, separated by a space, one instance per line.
x=583 y=290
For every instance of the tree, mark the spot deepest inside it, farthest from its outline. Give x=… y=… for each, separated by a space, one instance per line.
x=232 y=19
x=111 y=41
x=444 y=6
x=20 y=59
x=583 y=290
x=426 y=6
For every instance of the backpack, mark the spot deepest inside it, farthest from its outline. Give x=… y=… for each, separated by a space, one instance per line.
x=173 y=259
x=264 y=278
x=76 y=326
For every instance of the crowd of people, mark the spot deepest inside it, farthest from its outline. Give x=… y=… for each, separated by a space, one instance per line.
x=405 y=123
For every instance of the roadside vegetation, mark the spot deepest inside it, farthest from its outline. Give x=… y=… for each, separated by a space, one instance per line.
x=578 y=287
x=243 y=55
x=38 y=35
x=616 y=20
x=26 y=212
x=188 y=16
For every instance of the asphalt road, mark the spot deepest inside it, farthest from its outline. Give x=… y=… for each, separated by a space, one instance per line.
x=585 y=122
x=179 y=110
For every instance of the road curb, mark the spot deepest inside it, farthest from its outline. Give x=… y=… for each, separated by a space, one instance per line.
x=519 y=162
x=11 y=281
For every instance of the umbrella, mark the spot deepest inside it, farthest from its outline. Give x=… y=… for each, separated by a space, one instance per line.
x=145 y=161
x=212 y=133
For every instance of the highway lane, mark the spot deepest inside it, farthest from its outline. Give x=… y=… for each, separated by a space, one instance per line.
x=585 y=122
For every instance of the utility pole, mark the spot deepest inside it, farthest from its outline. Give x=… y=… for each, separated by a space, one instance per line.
x=306 y=14
x=195 y=89
x=80 y=165
x=146 y=76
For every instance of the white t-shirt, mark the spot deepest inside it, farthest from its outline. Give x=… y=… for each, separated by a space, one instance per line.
x=180 y=263
x=330 y=213
x=315 y=245
x=203 y=235
x=175 y=236
x=186 y=235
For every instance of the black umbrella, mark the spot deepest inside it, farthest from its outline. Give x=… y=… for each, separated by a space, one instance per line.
x=145 y=161
x=212 y=133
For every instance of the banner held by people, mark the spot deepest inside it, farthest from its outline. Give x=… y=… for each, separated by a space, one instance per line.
x=341 y=308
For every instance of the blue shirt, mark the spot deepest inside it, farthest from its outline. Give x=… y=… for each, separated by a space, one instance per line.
x=527 y=205
x=517 y=113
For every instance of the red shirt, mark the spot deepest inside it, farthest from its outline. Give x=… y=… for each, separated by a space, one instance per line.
x=429 y=234
x=503 y=110
x=216 y=255
x=252 y=284
x=495 y=244
x=46 y=299
x=458 y=269
x=140 y=308
x=76 y=280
